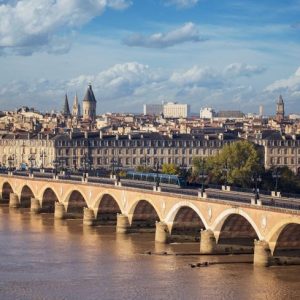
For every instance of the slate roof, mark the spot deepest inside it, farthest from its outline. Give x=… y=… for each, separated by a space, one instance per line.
x=89 y=95
x=66 y=109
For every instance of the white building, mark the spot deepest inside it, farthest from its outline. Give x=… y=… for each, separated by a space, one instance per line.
x=176 y=110
x=207 y=113
x=153 y=109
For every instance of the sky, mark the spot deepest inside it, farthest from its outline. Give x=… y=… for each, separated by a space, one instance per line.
x=228 y=55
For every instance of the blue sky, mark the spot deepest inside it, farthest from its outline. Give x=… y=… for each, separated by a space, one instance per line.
x=223 y=54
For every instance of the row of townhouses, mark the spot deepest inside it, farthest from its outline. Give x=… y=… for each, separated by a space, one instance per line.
x=96 y=150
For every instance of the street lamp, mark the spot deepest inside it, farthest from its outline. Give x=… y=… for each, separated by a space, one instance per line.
x=75 y=160
x=276 y=175
x=10 y=160
x=55 y=164
x=113 y=164
x=226 y=169
x=31 y=159
x=202 y=176
x=86 y=164
x=43 y=156
x=145 y=161
x=118 y=166
x=256 y=179
x=156 y=168
x=62 y=161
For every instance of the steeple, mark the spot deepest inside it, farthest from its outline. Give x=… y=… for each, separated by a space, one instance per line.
x=66 y=108
x=89 y=95
x=280 y=110
x=89 y=105
x=76 y=107
x=280 y=100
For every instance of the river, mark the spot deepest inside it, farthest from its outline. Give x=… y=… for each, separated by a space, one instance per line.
x=42 y=258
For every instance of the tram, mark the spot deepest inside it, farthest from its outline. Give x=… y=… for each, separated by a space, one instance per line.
x=163 y=179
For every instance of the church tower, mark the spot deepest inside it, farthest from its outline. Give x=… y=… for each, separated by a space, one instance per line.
x=280 y=110
x=89 y=105
x=76 y=107
x=66 y=109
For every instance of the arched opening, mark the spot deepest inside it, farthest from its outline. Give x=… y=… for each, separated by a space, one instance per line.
x=288 y=242
x=6 y=190
x=75 y=205
x=26 y=195
x=187 y=225
x=144 y=215
x=48 y=201
x=108 y=210
x=236 y=230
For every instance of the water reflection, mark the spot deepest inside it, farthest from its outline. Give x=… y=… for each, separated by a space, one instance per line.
x=43 y=258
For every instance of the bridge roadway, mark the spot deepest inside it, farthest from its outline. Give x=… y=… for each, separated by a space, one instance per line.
x=221 y=216
x=235 y=196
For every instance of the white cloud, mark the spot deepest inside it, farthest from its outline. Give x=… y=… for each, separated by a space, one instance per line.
x=189 y=32
x=125 y=87
x=238 y=69
x=289 y=86
x=118 y=81
x=182 y=3
x=33 y=25
x=207 y=76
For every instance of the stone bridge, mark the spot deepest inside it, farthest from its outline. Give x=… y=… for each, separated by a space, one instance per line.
x=268 y=230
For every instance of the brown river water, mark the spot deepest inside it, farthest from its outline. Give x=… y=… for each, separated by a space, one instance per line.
x=41 y=258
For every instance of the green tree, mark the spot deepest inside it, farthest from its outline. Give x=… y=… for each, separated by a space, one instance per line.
x=170 y=169
x=144 y=169
x=241 y=159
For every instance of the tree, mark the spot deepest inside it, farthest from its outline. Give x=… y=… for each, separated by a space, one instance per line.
x=240 y=160
x=144 y=169
x=170 y=169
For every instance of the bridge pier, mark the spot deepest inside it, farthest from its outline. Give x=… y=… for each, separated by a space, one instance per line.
x=161 y=232
x=262 y=254
x=122 y=223
x=208 y=244
x=35 y=206
x=88 y=217
x=59 y=211
x=14 y=201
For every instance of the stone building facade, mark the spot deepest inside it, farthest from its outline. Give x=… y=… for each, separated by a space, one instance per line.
x=17 y=149
x=130 y=151
x=280 y=150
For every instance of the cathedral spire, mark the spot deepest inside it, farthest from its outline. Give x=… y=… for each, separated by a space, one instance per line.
x=76 y=107
x=66 y=108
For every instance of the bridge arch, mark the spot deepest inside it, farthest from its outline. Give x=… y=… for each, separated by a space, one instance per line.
x=6 y=190
x=273 y=237
x=221 y=219
x=106 y=209
x=74 y=203
x=25 y=196
x=48 y=199
x=175 y=209
x=186 y=225
x=144 y=214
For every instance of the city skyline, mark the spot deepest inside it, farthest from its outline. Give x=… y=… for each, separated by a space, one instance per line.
x=202 y=53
